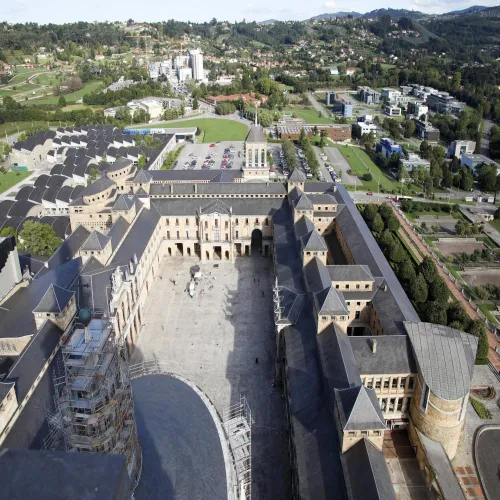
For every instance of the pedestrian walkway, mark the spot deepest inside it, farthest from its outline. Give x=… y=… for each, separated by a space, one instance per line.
x=419 y=249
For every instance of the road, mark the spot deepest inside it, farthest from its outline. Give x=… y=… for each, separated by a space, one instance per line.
x=318 y=106
x=485 y=138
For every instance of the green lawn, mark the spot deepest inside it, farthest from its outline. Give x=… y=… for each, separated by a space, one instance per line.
x=10 y=179
x=48 y=78
x=23 y=74
x=212 y=129
x=495 y=224
x=310 y=115
x=361 y=164
x=71 y=97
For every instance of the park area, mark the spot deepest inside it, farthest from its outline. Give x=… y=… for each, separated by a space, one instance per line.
x=362 y=164
x=212 y=129
x=309 y=114
x=9 y=179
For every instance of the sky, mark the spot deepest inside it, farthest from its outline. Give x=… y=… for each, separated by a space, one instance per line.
x=62 y=11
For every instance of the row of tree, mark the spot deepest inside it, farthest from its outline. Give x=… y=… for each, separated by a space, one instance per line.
x=423 y=284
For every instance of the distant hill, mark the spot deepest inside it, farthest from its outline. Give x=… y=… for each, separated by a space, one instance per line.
x=470 y=10
x=334 y=15
x=269 y=21
x=395 y=13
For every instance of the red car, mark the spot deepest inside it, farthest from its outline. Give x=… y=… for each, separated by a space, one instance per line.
x=212 y=146
x=370 y=193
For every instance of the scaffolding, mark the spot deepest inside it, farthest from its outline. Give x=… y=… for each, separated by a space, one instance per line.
x=237 y=421
x=94 y=410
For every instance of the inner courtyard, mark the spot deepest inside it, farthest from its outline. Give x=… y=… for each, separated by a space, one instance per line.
x=222 y=339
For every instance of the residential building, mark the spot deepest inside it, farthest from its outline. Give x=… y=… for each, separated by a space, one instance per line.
x=417 y=109
x=391 y=96
x=350 y=71
x=387 y=147
x=458 y=148
x=368 y=95
x=196 y=62
x=365 y=128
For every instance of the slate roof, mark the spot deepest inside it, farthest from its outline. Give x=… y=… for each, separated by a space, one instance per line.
x=42 y=180
x=256 y=134
x=143 y=176
x=330 y=301
x=123 y=202
x=119 y=164
x=54 y=300
x=297 y=175
x=98 y=186
x=304 y=203
x=64 y=194
x=366 y=473
x=21 y=208
x=350 y=273
x=393 y=354
x=359 y=409
x=222 y=177
x=445 y=356
x=442 y=468
x=188 y=175
x=314 y=242
x=96 y=241
x=24 y=193
x=117 y=232
x=221 y=189
x=33 y=358
x=216 y=206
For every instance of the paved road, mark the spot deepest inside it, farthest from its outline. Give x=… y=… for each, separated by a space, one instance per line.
x=487 y=448
x=181 y=449
x=485 y=141
x=340 y=165
x=318 y=106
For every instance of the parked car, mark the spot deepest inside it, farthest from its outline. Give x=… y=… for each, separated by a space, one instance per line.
x=369 y=193
x=212 y=146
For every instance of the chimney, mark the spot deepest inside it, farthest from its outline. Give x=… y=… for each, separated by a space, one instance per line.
x=195 y=187
x=374 y=346
x=171 y=188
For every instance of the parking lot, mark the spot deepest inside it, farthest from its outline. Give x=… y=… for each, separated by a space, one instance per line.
x=193 y=156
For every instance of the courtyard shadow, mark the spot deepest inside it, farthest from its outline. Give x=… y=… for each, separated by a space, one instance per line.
x=182 y=452
x=251 y=373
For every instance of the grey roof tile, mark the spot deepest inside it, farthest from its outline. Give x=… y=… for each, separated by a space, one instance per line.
x=297 y=176
x=329 y=301
x=256 y=134
x=123 y=202
x=314 y=242
x=445 y=356
x=359 y=409
x=350 y=273
x=96 y=241
x=54 y=300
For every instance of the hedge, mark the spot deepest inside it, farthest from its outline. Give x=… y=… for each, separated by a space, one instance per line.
x=480 y=409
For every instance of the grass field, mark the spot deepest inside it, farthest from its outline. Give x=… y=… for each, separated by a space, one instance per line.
x=212 y=129
x=361 y=164
x=12 y=128
x=24 y=73
x=310 y=115
x=72 y=97
x=48 y=78
x=10 y=179
x=495 y=224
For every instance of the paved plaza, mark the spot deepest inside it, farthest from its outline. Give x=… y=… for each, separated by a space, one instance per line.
x=223 y=340
x=199 y=152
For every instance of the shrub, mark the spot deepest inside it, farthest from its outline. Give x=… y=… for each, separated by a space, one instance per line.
x=367 y=177
x=481 y=410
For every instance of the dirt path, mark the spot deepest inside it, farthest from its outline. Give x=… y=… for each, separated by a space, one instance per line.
x=419 y=249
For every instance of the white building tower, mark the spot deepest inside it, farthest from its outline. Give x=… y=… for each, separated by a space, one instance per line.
x=196 y=62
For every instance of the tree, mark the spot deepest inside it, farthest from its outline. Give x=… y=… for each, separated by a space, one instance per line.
x=93 y=175
x=195 y=103
x=487 y=178
x=458 y=315
x=142 y=161
x=392 y=223
x=402 y=173
x=467 y=180
x=370 y=211
x=406 y=271
x=460 y=228
x=396 y=252
x=497 y=213
x=39 y=239
x=418 y=289
x=315 y=130
x=483 y=348
x=428 y=269
x=436 y=312
x=409 y=128
x=438 y=290
x=302 y=137
x=62 y=101
x=377 y=224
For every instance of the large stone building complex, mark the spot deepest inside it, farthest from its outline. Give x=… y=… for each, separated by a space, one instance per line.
x=352 y=356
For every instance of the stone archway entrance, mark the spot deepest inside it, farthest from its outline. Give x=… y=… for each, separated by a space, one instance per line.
x=256 y=243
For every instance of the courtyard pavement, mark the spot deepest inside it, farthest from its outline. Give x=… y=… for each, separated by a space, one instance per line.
x=223 y=340
x=200 y=151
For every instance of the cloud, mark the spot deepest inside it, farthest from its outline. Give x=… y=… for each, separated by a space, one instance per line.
x=330 y=4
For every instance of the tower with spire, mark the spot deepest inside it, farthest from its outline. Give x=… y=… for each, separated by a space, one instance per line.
x=256 y=152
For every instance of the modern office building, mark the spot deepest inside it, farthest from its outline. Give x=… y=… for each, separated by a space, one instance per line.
x=338 y=104
x=458 y=148
x=369 y=95
x=387 y=147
